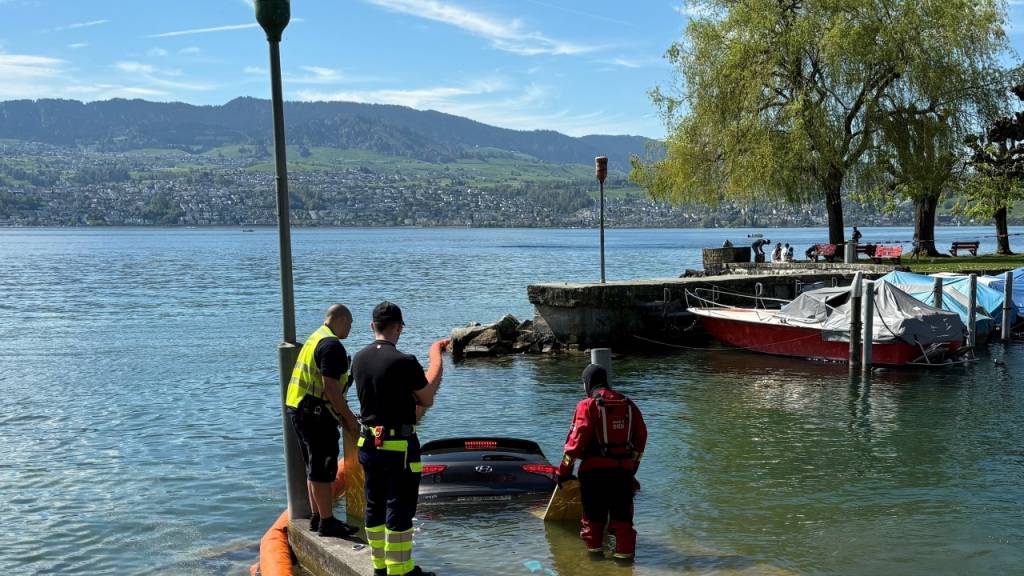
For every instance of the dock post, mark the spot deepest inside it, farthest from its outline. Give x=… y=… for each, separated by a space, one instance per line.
x=603 y=358
x=937 y=292
x=855 y=322
x=1007 y=305
x=972 y=310
x=869 y=323
x=273 y=16
x=601 y=168
x=850 y=254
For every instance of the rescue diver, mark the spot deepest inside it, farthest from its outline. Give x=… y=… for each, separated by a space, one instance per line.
x=609 y=435
x=393 y=393
x=315 y=404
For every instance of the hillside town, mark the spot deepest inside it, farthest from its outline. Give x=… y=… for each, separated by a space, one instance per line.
x=45 y=185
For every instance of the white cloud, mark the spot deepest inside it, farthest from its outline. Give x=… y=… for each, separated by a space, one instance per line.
x=158 y=76
x=693 y=10
x=156 y=52
x=254 y=70
x=135 y=67
x=29 y=76
x=492 y=101
x=77 y=45
x=190 y=50
x=83 y=24
x=329 y=74
x=204 y=30
x=507 y=35
x=633 y=62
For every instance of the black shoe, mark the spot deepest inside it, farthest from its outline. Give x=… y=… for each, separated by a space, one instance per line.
x=314 y=522
x=335 y=528
x=417 y=571
x=380 y=572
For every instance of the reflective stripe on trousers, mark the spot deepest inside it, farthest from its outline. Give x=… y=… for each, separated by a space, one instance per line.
x=398 y=552
x=375 y=538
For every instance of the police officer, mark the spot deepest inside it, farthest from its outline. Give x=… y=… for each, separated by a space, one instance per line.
x=316 y=405
x=393 y=392
x=609 y=435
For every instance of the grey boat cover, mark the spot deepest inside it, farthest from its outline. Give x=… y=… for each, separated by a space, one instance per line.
x=898 y=316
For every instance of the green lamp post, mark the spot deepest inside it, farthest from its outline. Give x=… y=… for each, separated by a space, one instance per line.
x=273 y=16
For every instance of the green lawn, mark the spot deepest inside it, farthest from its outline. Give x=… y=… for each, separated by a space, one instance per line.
x=986 y=263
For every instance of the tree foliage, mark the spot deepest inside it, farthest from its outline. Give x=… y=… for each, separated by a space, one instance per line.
x=788 y=98
x=997 y=181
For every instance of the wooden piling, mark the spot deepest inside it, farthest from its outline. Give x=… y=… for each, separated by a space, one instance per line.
x=1007 y=305
x=972 y=310
x=855 y=322
x=937 y=292
x=869 y=325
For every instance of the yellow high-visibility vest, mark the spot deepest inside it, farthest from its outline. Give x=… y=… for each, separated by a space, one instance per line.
x=306 y=377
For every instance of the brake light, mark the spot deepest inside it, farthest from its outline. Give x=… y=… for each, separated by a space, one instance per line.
x=545 y=469
x=480 y=444
x=433 y=469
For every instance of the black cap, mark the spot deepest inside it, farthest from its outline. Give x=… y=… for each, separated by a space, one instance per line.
x=387 y=312
x=594 y=377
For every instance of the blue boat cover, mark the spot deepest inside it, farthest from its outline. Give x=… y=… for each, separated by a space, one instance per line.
x=955 y=293
x=997 y=283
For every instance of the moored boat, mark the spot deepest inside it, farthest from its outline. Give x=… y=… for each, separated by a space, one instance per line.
x=816 y=325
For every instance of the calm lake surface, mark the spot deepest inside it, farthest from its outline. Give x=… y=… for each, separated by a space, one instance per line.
x=142 y=433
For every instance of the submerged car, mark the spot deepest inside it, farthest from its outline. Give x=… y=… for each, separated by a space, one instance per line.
x=484 y=469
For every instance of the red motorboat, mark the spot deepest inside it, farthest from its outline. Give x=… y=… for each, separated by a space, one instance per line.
x=816 y=325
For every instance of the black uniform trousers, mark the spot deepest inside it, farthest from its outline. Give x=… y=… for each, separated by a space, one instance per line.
x=607 y=493
x=392 y=489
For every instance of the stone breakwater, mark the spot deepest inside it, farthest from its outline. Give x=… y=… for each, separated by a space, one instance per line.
x=506 y=336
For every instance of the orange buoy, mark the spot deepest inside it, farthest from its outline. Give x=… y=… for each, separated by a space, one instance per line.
x=275 y=553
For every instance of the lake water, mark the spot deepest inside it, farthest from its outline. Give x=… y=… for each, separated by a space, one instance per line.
x=143 y=434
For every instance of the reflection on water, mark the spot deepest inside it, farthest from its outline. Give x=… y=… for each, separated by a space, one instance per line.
x=142 y=433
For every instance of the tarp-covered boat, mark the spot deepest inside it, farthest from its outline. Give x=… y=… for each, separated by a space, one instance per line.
x=955 y=297
x=816 y=325
x=998 y=283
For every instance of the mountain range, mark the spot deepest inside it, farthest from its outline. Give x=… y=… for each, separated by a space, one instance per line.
x=121 y=125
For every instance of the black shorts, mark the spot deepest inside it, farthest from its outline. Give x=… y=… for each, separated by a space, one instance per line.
x=318 y=435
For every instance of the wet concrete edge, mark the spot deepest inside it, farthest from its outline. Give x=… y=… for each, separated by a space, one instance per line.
x=329 y=556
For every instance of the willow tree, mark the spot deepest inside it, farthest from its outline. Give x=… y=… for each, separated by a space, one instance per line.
x=786 y=98
x=997 y=181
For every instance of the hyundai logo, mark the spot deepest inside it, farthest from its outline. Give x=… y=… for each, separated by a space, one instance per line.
x=484 y=469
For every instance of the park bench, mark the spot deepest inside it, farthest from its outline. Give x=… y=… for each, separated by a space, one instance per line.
x=971 y=247
x=826 y=251
x=894 y=253
x=867 y=249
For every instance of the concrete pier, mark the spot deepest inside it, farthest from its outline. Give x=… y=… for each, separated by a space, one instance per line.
x=329 y=556
x=590 y=315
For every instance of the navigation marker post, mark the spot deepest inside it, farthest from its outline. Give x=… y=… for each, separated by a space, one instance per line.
x=601 y=165
x=273 y=16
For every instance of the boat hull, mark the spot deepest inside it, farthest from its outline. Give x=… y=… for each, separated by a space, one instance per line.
x=801 y=342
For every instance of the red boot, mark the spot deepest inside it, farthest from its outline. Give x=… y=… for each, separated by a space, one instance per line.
x=625 y=539
x=592 y=534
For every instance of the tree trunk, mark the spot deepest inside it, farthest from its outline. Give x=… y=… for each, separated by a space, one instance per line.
x=924 y=223
x=1002 y=233
x=834 y=206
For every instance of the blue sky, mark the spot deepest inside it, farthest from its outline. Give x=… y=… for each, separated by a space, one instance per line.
x=567 y=65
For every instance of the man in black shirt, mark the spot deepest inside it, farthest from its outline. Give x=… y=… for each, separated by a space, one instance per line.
x=393 y=392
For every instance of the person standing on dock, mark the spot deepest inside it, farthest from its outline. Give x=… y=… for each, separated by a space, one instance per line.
x=856 y=235
x=758 y=246
x=315 y=403
x=393 y=393
x=609 y=435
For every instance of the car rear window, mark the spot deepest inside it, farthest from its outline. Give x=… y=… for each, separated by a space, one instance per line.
x=448 y=445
